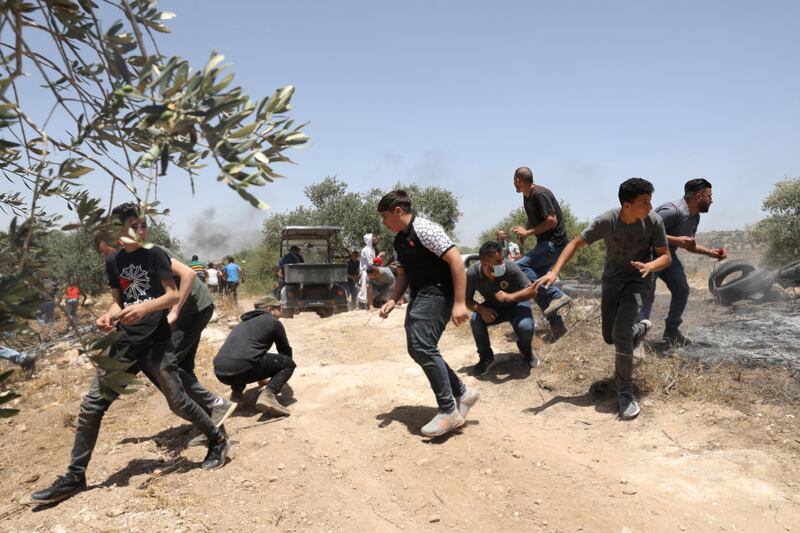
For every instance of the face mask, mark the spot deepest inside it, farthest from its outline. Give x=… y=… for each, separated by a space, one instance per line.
x=499 y=270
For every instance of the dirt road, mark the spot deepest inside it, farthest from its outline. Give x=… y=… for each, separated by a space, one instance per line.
x=350 y=457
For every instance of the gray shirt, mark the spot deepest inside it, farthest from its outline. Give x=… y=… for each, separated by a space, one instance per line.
x=383 y=284
x=626 y=242
x=512 y=281
x=677 y=220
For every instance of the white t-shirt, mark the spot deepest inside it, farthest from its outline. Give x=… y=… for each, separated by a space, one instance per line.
x=213 y=274
x=513 y=249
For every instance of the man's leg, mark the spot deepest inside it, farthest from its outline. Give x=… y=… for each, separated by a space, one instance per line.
x=537 y=263
x=523 y=324
x=649 y=298
x=12 y=355
x=185 y=340
x=675 y=278
x=426 y=319
x=626 y=327
x=480 y=333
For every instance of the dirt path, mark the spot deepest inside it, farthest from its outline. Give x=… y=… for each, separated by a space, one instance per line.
x=350 y=457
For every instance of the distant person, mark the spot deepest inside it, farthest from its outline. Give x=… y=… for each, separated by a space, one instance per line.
x=47 y=310
x=72 y=296
x=233 y=276
x=379 y=289
x=510 y=249
x=430 y=264
x=26 y=361
x=199 y=268
x=244 y=358
x=212 y=278
x=545 y=221
x=353 y=276
x=292 y=257
x=681 y=219
x=494 y=275
x=631 y=234
x=365 y=261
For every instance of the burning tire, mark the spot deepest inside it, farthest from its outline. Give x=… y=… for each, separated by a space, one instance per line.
x=735 y=266
x=755 y=282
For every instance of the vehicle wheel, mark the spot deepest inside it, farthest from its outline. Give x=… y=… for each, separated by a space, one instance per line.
x=717 y=278
x=325 y=312
x=287 y=313
x=755 y=282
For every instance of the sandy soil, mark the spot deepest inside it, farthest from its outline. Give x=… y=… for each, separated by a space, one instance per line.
x=537 y=453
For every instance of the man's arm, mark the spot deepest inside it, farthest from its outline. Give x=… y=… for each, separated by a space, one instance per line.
x=453 y=258
x=546 y=225
x=106 y=321
x=281 y=341
x=548 y=279
x=690 y=245
x=187 y=276
x=398 y=290
x=241 y=274
x=658 y=264
x=369 y=296
x=136 y=312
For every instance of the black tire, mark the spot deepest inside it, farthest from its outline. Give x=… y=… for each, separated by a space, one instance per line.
x=287 y=313
x=757 y=281
x=717 y=278
x=790 y=272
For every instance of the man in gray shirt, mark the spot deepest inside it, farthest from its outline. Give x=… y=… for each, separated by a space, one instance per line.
x=489 y=276
x=680 y=222
x=380 y=281
x=631 y=234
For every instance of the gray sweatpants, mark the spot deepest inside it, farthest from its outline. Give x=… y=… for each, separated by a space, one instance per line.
x=620 y=304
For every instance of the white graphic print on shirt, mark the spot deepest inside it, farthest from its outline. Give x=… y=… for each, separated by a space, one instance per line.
x=135 y=284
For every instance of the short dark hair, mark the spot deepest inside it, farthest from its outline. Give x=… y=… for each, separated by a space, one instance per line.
x=294 y=248
x=194 y=258
x=230 y=259
x=489 y=249
x=524 y=174
x=696 y=185
x=210 y=264
x=398 y=198
x=372 y=269
x=632 y=188
x=125 y=211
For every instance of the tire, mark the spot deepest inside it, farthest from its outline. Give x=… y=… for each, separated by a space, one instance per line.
x=755 y=282
x=287 y=313
x=790 y=272
x=717 y=278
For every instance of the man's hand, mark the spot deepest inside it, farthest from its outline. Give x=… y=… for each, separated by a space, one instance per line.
x=687 y=243
x=132 y=314
x=172 y=318
x=718 y=253
x=502 y=297
x=644 y=268
x=460 y=314
x=519 y=231
x=104 y=323
x=545 y=281
x=487 y=315
x=386 y=309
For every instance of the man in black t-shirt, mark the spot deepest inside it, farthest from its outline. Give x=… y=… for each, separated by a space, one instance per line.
x=546 y=222
x=429 y=264
x=143 y=290
x=353 y=277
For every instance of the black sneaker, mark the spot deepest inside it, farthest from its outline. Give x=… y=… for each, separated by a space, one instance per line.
x=217 y=453
x=628 y=405
x=531 y=361
x=675 y=337
x=482 y=367
x=65 y=487
x=556 y=305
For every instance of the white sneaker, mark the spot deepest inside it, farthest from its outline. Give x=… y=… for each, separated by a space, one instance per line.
x=443 y=423
x=467 y=400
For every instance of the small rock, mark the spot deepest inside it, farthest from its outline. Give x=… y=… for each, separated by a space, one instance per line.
x=116 y=511
x=22 y=428
x=623 y=481
x=488 y=472
x=32 y=479
x=629 y=492
x=434 y=519
x=388 y=468
x=273 y=479
x=537 y=502
x=516 y=454
x=281 y=466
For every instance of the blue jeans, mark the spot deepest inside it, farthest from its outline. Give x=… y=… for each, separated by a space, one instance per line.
x=536 y=264
x=675 y=278
x=12 y=355
x=521 y=320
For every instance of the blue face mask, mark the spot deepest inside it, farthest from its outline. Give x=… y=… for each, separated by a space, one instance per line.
x=499 y=270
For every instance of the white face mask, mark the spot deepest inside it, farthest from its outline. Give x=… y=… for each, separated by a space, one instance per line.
x=499 y=270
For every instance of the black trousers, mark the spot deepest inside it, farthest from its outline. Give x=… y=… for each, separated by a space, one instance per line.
x=270 y=365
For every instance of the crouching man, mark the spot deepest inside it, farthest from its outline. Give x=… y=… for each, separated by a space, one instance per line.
x=495 y=275
x=244 y=357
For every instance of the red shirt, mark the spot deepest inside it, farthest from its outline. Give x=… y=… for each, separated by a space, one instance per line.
x=73 y=292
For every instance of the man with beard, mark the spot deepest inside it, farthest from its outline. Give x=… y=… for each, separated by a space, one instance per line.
x=680 y=221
